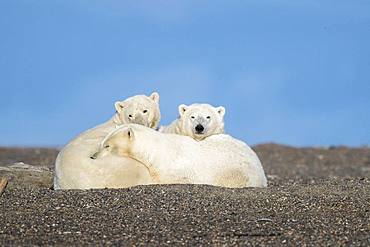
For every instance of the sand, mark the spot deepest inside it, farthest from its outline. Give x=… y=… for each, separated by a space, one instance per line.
x=316 y=196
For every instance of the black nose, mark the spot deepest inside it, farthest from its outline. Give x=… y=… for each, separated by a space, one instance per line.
x=199 y=128
x=93 y=157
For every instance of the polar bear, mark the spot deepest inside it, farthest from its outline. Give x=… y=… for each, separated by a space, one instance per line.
x=197 y=121
x=76 y=169
x=218 y=160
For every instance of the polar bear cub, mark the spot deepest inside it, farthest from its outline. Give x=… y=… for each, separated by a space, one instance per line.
x=217 y=160
x=197 y=121
x=75 y=167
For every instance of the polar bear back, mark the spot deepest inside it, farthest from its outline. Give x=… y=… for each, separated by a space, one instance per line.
x=236 y=161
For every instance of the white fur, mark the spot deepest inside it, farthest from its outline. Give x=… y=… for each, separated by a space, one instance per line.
x=217 y=160
x=74 y=169
x=209 y=117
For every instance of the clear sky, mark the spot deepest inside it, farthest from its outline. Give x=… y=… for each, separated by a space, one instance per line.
x=291 y=72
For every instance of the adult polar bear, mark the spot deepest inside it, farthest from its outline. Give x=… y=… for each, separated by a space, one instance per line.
x=74 y=168
x=198 y=121
x=170 y=158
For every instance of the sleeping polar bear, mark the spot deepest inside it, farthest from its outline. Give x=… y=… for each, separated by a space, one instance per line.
x=74 y=167
x=198 y=121
x=217 y=160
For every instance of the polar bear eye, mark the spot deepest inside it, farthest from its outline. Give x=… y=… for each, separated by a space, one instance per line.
x=208 y=117
x=192 y=117
x=130 y=116
x=107 y=146
x=145 y=111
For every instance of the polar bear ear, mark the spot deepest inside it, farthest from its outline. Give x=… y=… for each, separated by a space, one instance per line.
x=128 y=133
x=182 y=109
x=155 y=97
x=221 y=110
x=119 y=106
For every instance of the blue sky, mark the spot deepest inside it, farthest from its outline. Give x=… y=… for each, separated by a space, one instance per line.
x=291 y=72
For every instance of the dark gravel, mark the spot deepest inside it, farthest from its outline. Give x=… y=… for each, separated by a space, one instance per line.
x=316 y=197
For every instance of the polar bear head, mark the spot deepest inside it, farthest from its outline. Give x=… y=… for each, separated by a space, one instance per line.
x=116 y=142
x=120 y=141
x=201 y=120
x=139 y=109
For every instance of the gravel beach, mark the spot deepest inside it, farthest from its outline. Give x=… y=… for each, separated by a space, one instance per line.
x=316 y=196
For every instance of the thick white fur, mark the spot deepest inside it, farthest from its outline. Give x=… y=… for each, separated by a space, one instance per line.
x=217 y=160
x=210 y=117
x=74 y=169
